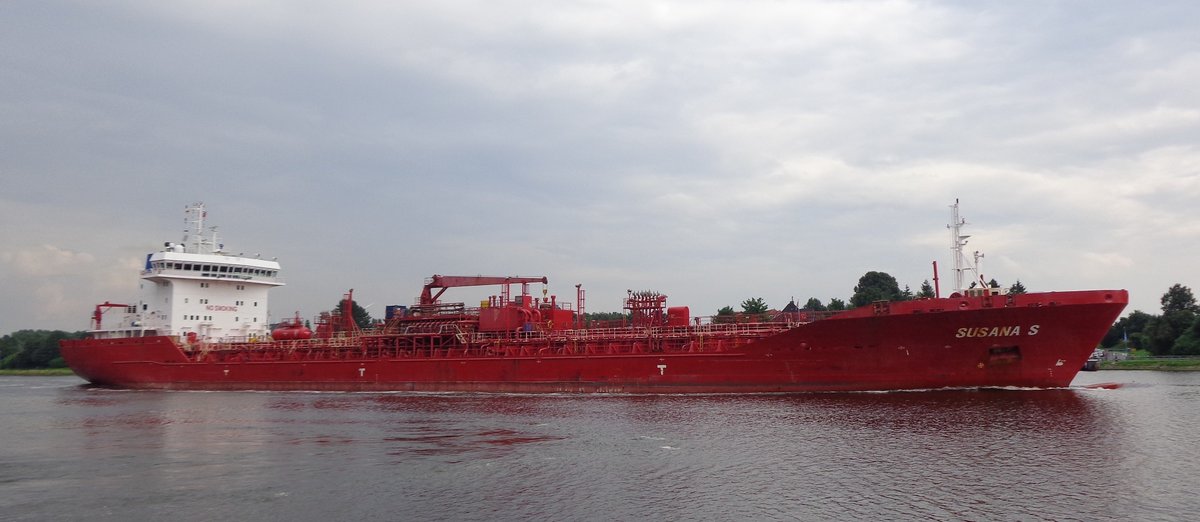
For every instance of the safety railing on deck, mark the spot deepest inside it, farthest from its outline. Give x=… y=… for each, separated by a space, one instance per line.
x=450 y=339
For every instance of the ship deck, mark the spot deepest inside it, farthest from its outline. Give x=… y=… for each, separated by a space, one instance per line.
x=450 y=340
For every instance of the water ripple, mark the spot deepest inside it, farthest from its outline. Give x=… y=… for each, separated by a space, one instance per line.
x=992 y=454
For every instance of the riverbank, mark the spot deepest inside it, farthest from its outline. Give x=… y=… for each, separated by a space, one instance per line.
x=39 y=372
x=1168 y=365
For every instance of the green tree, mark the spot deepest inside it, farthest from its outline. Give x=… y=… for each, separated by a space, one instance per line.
x=361 y=317
x=754 y=305
x=1017 y=288
x=814 y=304
x=926 y=291
x=1139 y=340
x=1189 y=342
x=1165 y=329
x=1179 y=298
x=726 y=314
x=875 y=286
x=606 y=316
x=47 y=350
x=1128 y=326
x=906 y=294
x=1169 y=333
x=836 y=305
x=33 y=348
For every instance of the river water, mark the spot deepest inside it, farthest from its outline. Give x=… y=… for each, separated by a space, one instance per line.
x=71 y=452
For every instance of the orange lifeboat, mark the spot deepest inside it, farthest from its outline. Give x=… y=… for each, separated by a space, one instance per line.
x=291 y=330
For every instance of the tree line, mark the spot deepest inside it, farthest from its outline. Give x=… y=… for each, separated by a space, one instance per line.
x=1175 y=332
x=872 y=286
x=27 y=349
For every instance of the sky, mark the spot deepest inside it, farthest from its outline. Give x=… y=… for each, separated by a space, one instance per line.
x=712 y=151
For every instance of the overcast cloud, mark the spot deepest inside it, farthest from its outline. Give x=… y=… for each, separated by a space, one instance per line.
x=713 y=151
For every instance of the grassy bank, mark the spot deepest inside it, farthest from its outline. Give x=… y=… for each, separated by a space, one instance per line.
x=1180 y=365
x=39 y=372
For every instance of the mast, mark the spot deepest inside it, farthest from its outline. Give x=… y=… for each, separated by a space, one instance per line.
x=194 y=241
x=957 y=242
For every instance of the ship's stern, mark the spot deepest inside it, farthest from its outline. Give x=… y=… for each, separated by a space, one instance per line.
x=122 y=362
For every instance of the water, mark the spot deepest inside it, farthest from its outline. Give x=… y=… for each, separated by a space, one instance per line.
x=70 y=452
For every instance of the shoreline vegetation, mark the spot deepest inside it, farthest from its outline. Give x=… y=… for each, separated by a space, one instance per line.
x=34 y=372
x=1159 y=364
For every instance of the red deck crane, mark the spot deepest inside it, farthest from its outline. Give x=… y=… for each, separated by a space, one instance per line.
x=98 y=315
x=445 y=282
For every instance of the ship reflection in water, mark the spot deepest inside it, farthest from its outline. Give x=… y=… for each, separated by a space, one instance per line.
x=1092 y=454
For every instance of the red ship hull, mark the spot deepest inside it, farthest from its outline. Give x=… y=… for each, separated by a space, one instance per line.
x=1030 y=340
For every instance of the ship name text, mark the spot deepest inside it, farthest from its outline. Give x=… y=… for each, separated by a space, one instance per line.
x=996 y=331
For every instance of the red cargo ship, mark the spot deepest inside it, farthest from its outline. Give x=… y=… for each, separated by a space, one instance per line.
x=202 y=324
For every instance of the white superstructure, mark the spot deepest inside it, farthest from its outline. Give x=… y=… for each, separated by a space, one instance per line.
x=196 y=290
